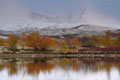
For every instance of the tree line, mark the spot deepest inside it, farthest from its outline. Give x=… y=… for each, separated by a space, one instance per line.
x=37 y=42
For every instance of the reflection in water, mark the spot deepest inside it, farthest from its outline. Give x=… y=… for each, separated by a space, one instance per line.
x=59 y=68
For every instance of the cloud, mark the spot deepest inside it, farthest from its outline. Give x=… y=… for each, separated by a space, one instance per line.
x=93 y=16
x=10 y=9
x=11 y=12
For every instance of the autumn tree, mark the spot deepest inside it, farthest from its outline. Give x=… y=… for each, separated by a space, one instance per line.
x=2 y=42
x=63 y=46
x=101 y=40
x=46 y=42
x=74 y=42
x=33 y=40
x=12 y=41
x=108 y=39
x=22 y=40
x=117 y=41
x=92 y=41
x=89 y=41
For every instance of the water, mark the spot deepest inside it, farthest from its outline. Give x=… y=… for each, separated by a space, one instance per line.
x=59 y=69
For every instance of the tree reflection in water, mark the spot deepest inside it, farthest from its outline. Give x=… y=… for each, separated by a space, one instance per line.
x=36 y=66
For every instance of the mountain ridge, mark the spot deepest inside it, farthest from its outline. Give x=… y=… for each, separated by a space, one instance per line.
x=55 y=26
x=77 y=31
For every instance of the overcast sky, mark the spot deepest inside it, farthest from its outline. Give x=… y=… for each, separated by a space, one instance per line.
x=107 y=8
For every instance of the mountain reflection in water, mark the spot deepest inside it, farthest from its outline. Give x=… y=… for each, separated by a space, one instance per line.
x=59 y=68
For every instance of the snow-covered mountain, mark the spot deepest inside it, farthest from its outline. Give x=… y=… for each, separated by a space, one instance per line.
x=79 y=31
x=75 y=31
x=38 y=20
x=53 y=26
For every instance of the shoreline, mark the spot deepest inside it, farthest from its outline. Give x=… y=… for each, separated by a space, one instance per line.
x=60 y=55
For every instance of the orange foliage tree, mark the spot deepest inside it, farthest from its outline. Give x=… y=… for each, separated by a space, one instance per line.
x=33 y=40
x=46 y=42
x=22 y=40
x=108 y=39
x=12 y=41
x=94 y=40
x=117 y=41
x=2 y=42
x=101 y=40
x=74 y=42
x=64 y=48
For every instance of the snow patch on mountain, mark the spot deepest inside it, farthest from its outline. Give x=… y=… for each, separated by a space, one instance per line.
x=81 y=29
x=36 y=20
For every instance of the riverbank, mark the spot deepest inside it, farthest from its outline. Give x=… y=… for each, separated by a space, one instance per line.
x=59 y=55
x=87 y=53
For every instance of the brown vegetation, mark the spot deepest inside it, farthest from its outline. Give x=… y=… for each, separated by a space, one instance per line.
x=34 y=41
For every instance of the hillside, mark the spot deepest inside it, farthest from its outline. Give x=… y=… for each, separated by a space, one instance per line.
x=79 y=31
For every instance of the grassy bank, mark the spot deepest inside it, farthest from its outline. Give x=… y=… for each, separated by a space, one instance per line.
x=60 y=55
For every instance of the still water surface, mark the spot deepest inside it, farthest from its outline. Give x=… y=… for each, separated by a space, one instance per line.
x=59 y=69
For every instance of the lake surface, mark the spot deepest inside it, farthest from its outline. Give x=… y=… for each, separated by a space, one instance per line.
x=59 y=69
